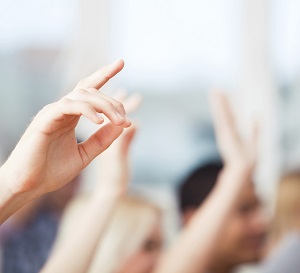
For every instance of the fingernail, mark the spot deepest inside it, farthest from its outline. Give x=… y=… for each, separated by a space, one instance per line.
x=127 y=118
x=117 y=62
x=99 y=116
x=120 y=116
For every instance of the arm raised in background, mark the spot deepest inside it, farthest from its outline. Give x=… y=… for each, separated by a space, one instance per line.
x=192 y=251
x=75 y=252
x=48 y=156
x=114 y=163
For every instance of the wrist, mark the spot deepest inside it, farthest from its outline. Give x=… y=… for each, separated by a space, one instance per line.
x=10 y=181
x=235 y=175
x=10 y=200
x=6 y=191
x=240 y=165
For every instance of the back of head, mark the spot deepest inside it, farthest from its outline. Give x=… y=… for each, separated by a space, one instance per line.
x=129 y=228
x=197 y=186
x=242 y=236
x=131 y=224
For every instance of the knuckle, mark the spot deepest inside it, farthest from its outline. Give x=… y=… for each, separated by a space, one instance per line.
x=99 y=141
x=107 y=104
x=88 y=107
x=92 y=90
x=82 y=82
x=119 y=105
x=48 y=107
x=65 y=101
x=81 y=92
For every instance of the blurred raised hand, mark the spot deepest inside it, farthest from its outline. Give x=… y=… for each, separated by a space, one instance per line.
x=114 y=162
x=233 y=148
x=197 y=243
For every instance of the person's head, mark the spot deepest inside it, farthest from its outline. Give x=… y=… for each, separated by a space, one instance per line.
x=287 y=209
x=133 y=238
x=195 y=188
x=243 y=237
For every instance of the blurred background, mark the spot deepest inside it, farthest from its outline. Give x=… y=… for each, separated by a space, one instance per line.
x=175 y=52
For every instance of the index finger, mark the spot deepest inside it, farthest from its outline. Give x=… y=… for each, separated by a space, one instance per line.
x=102 y=76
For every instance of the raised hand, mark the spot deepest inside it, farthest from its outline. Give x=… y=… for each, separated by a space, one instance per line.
x=48 y=155
x=200 y=240
x=68 y=256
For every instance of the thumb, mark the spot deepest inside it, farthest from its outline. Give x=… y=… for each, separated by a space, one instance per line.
x=98 y=142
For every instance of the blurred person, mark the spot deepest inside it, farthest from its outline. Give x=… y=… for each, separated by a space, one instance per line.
x=48 y=156
x=286 y=217
x=243 y=236
x=27 y=237
x=105 y=220
x=284 y=240
x=194 y=189
x=195 y=249
x=132 y=240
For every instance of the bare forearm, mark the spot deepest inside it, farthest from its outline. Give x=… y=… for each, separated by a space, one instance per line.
x=10 y=200
x=76 y=252
x=193 y=249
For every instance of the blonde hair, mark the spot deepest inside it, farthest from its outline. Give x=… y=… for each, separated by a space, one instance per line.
x=287 y=210
x=129 y=226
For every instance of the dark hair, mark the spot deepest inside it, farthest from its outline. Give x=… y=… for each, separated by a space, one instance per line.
x=196 y=187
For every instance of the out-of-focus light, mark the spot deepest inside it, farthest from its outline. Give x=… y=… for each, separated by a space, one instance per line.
x=175 y=42
x=34 y=23
x=285 y=38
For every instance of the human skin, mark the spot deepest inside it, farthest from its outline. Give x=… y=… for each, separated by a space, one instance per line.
x=193 y=250
x=48 y=156
x=75 y=254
